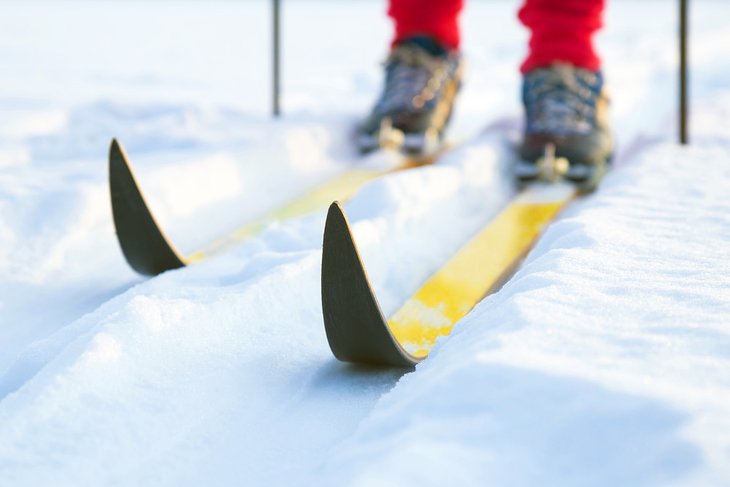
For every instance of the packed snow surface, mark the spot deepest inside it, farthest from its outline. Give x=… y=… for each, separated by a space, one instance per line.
x=603 y=362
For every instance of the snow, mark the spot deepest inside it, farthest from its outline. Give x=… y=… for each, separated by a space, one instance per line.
x=601 y=362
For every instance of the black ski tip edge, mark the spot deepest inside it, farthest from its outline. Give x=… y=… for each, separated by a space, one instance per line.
x=356 y=328
x=143 y=242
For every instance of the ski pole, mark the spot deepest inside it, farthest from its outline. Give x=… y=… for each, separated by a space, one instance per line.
x=276 y=48
x=683 y=61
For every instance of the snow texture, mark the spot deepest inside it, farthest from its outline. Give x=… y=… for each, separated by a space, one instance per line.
x=602 y=362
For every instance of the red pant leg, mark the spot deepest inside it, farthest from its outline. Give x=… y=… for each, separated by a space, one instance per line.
x=562 y=30
x=436 y=18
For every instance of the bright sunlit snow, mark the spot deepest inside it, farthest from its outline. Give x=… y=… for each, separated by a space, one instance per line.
x=603 y=362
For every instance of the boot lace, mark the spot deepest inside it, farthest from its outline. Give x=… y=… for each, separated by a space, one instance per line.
x=413 y=79
x=561 y=100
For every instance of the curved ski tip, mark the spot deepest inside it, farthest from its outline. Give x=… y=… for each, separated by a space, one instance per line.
x=336 y=217
x=355 y=326
x=117 y=154
x=335 y=208
x=115 y=146
x=144 y=244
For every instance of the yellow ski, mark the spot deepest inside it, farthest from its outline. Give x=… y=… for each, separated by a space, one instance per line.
x=356 y=329
x=149 y=251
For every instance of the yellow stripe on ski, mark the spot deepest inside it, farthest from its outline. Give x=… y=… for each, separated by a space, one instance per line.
x=342 y=188
x=478 y=268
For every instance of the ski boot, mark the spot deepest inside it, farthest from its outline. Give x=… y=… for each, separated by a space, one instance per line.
x=422 y=79
x=566 y=130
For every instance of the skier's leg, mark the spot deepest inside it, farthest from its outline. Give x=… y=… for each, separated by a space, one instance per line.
x=563 y=94
x=438 y=19
x=422 y=77
x=562 y=30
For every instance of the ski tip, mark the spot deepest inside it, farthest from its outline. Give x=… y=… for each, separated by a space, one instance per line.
x=122 y=180
x=116 y=152
x=144 y=244
x=336 y=226
x=335 y=212
x=119 y=167
x=356 y=329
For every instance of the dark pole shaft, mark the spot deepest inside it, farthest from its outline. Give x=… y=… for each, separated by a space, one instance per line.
x=276 y=59
x=683 y=86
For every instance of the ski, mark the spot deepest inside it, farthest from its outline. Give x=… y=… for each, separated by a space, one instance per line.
x=357 y=330
x=149 y=251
